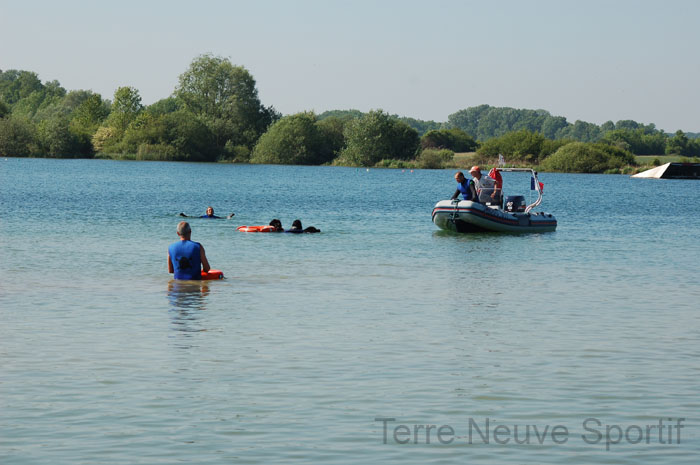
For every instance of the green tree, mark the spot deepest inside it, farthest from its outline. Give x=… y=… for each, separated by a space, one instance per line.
x=16 y=85
x=90 y=113
x=190 y=136
x=377 y=136
x=582 y=157
x=293 y=140
x=419 y=125
x=678 y=144
x=453 y=139
x=486 y=122
x=4 y=109
x=163 y=106
x=552 y=125
x=17 y=137
x=523 y=146
x=636 y=141
x=580 y=131
x=225 y=98
x=607 y=126
x=42 y=103
x=125 y=107
x=344 y=115
x=55 y=138
x=332 y=132
x=433 y=158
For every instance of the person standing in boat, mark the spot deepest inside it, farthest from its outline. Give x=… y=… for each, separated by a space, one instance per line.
x=485 y=186
x=187 y=259
x=465 y=187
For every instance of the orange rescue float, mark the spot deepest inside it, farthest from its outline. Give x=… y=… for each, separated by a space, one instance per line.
x=266 y=228
x=212 y=274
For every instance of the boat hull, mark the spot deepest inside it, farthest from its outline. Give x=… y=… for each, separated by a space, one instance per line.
x=465 y=216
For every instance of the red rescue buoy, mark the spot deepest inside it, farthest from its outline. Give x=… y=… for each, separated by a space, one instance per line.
x=212 y=274
x=256 y=228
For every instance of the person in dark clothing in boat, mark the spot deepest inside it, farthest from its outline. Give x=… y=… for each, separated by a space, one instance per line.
x=465 y=187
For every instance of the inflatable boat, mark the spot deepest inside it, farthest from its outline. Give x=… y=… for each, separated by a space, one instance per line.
x=512 y=215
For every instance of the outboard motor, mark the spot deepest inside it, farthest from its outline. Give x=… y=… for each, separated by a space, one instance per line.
x=515 y=203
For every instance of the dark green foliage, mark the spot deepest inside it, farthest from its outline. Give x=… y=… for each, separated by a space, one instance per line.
x=432 y=158
x=163 y=106
x=550 y=146
x=453 y=139
x=580 y=131
x=215 y=114
x=581 y=157
x=17 y=85
x=519 y=146
x=638 y=141
x=172 y=136
x=486 y=122
x=680 y=144
x=189 y=136
x=89 y=114
x=17 y=136
x=344 y=115
x=552 y=126
x=56 y=139
x=607 y=126
x=293 y=140
x=332 y=132
x=376 y=136
x=43 y=103
x=396 y=164
x=225 y=99
x=617 y=154
x=420 y=126
x=125 y=108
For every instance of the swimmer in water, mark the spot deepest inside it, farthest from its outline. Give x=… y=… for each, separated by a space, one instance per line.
x=277 y=224
x=298 y=228
x=210 y=214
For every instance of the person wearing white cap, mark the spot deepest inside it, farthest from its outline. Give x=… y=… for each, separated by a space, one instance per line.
x=485 y=186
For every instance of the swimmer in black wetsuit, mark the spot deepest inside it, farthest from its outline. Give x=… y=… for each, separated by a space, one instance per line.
x=298 y=228
x=277 y=224
x=210 y=214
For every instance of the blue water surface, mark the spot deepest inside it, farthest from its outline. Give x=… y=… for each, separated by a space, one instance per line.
x=313 y=339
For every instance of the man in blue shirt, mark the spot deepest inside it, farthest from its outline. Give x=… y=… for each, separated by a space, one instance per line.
x=187 y=259
x=465 y=187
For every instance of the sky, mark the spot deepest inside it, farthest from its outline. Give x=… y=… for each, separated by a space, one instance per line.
x=588 y=60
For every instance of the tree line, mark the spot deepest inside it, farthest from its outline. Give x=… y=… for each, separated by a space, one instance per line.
x=215 y=114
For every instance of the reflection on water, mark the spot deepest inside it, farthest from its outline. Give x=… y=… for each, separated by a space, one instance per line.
x=187 y=300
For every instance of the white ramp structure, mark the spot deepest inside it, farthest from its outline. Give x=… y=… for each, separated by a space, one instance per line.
x=672 y=171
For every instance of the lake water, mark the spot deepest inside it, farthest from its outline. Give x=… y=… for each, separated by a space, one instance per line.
x=312 y=339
